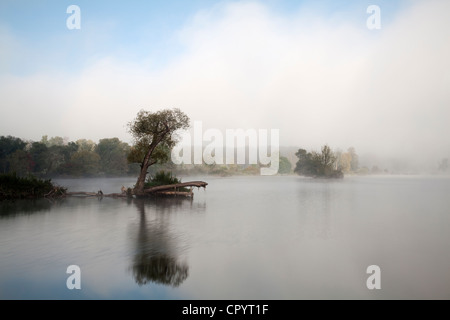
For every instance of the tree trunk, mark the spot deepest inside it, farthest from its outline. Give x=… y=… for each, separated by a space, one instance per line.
x=139 y=187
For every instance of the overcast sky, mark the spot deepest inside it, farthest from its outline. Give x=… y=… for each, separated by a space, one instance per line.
x=311 y=69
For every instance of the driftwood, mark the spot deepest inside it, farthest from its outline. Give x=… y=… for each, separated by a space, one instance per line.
x=56 y=192
x=83 y=194
x=175 y=193
x=169 y=187
x=165 y=190
x=96 y=194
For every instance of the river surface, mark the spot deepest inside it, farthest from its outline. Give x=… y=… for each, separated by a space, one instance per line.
x=272 y=237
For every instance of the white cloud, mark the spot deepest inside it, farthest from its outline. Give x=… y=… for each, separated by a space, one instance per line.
x=246 y=67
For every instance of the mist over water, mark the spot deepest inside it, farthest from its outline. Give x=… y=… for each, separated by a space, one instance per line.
x=277 y=237
x=312 y=73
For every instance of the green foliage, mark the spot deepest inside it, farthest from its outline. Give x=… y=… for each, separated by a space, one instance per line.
x=85 y=145
x=85 y=163
x=154 y=131
x=160 y=155
x=313 y=164
x=161 y=178
x=306 y=164
x=285 y=166
x=9 y=145
x=56 y=157
x=38 y=152
x=13 y=187
x=20 y=162
x=54 y=141
x=113 y=156
x=150 y=125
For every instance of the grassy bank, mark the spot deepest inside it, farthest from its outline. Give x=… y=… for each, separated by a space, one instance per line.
x=30 y=187
x=163 y=178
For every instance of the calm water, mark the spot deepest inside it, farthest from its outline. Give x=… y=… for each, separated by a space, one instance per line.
x=281 y=237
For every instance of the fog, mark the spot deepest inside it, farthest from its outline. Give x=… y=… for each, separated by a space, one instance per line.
x=318 y=78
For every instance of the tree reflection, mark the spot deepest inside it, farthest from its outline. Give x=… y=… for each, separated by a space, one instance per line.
x=159 y=269
x=10 y=208
x=156 y=252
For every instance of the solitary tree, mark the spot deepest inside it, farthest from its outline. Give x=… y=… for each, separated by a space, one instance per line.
x=154 y=135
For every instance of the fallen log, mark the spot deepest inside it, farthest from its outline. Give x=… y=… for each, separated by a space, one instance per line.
x=175 y=193
x=56 y=192
x=96 y=194
x=116 y=195
x=169 y=187
x=83 y=194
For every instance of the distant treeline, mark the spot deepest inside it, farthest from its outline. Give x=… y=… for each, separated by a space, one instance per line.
x=58 y=157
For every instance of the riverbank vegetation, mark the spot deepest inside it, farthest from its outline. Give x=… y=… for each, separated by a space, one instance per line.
x=154 y=136
x=109 y=157
x=58 y=157
x=318 y=165
x=30 y=187
x=162 y=178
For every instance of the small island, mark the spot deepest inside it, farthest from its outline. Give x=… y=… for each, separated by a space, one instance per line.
x=318 y=165
x=154 y=135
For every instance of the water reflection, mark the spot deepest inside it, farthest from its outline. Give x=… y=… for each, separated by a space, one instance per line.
x=10 y=208
x=316 y=204
x=156 y=257
x=168 y=205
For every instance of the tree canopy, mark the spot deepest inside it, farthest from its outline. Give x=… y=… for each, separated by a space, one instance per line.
x=314 y=164
x=285 y=166
x=56 y=156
